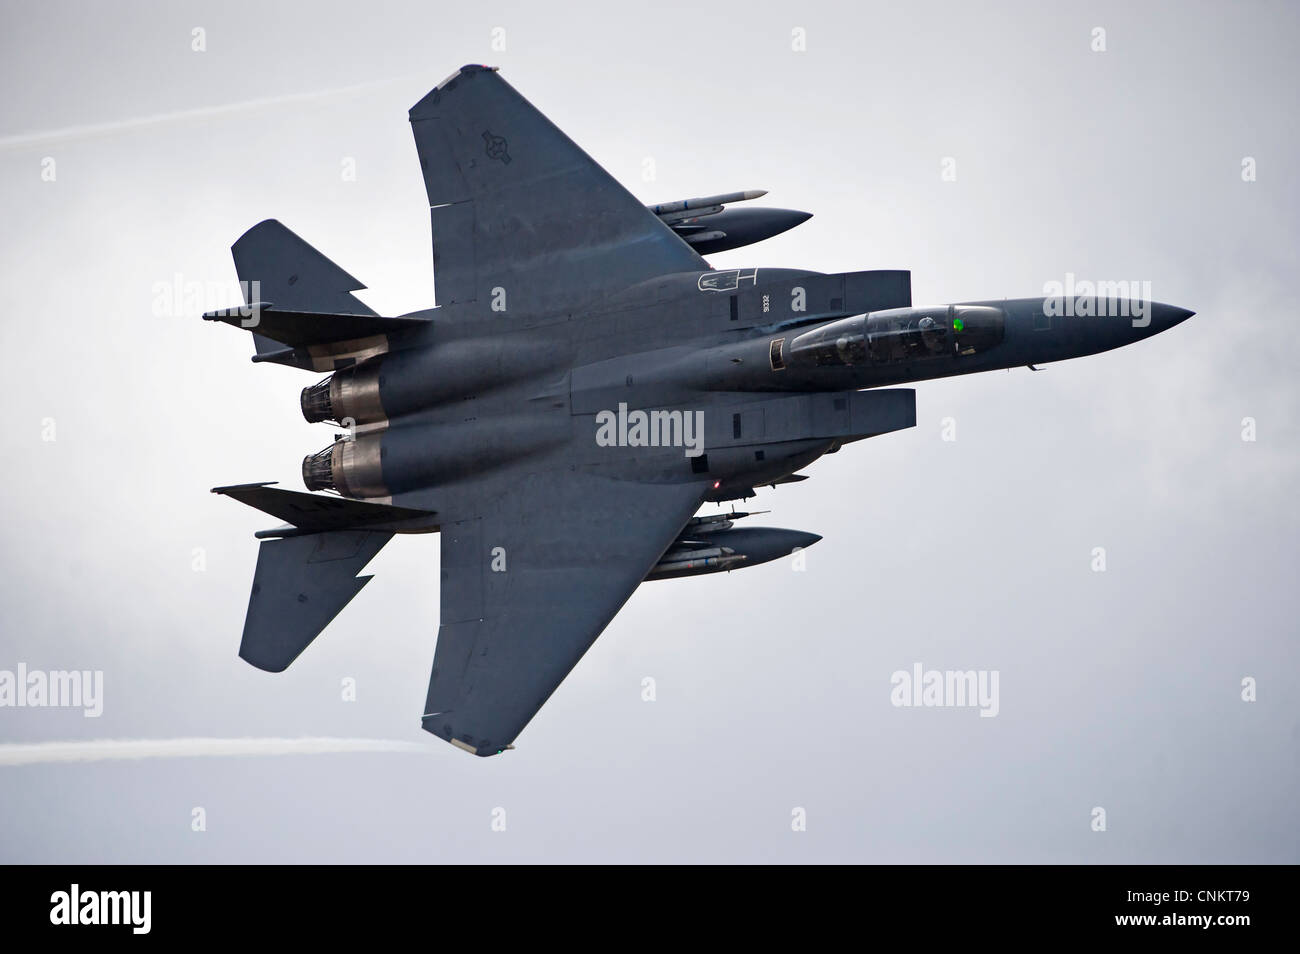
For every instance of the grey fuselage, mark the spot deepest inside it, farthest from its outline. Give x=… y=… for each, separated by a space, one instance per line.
x=771 y=362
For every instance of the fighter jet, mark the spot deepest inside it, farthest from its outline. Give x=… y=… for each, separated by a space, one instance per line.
x=583 y=385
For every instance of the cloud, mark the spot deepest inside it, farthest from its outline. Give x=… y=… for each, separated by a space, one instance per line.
x=96 y=130
x=96 y=750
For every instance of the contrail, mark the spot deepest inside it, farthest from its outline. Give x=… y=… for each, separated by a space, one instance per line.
x=70 y=133
x=96 y=750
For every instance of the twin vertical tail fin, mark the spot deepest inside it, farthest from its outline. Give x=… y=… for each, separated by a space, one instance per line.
x=301 y=311
x=275 y=264
x=299 y=305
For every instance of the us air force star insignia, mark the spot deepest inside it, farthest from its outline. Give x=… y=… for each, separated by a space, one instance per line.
x=496 y=147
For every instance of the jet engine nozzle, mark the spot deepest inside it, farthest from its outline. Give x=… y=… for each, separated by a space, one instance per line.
x=346 y=397
x=352 y=467
x=318 y=468
x=315 y=401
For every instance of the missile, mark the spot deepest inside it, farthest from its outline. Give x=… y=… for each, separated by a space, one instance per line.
x=667 y=571
x=720 y=547
x=688 y=217
x=722 y=517
x=710 y=523
x=666 y=208
x=674 y=556
x=696 y=238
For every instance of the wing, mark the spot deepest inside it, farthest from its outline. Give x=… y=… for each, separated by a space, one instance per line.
x=531 y=575
x=518 y=207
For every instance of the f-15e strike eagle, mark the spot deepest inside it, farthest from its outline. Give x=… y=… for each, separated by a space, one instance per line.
x=584 y=384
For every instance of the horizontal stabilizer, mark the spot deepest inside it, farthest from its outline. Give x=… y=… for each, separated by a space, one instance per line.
x=313 y=513
x=300 y=329
x=302 y=583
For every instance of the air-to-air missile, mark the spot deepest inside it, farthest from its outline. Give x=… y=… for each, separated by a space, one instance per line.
x=709 y=227
x=710 y=544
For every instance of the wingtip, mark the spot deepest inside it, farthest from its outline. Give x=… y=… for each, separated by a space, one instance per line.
x=238 y=311
x=263 y=226
x=424 y=109
x=233 y=487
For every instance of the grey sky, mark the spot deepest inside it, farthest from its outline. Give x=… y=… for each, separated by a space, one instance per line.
x=1119 y=689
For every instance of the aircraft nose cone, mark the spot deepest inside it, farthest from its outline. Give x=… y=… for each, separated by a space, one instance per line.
x=1164 y=317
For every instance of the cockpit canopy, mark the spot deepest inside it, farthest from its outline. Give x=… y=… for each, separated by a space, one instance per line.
x=900 y=334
